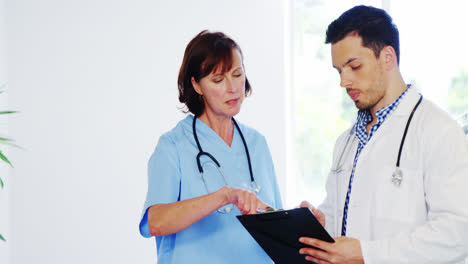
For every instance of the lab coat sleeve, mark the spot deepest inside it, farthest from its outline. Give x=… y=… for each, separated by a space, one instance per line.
x=443 y=238
x=163 y=178
x=329 y=203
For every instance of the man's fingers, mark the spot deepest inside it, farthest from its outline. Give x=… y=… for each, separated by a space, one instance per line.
x=306 y=204
x=316 y=243
x=314 y=253
x=316 y=260
x=319 y=215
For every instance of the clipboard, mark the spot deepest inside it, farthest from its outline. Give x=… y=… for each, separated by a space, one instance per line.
x=278 y=232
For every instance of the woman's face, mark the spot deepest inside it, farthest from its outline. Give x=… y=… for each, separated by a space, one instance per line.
x=223 y=93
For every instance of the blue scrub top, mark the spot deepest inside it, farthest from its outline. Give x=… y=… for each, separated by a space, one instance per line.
x=173 y=176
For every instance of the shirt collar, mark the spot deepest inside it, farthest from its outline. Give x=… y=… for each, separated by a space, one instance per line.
x=364 y=117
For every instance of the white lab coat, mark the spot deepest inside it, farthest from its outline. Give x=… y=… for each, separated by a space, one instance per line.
x=425 y=219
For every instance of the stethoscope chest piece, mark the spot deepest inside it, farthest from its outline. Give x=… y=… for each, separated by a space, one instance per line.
x=254 y=187
x=397 y=177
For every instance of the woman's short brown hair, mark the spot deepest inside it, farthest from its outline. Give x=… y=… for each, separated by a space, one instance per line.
x=204 y=54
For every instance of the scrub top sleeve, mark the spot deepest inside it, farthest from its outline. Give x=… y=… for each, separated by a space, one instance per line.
x=163 y=178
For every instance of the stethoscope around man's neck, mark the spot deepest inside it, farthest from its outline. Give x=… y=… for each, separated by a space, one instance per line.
x=253 y=186
x=397 y=176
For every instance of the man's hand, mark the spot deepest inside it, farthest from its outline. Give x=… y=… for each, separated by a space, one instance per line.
x=344 y=250
x=317 y=213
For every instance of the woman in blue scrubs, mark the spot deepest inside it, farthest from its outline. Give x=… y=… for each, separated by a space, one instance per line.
x=193 y=214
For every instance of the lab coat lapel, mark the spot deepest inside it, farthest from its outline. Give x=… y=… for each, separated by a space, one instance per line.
x=391 y=125
x=377 y=157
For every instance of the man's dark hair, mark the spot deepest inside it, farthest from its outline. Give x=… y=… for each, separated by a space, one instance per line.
x=373 y=25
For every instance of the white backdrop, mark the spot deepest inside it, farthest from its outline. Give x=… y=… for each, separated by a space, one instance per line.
x=95 y=81
x=4 y=169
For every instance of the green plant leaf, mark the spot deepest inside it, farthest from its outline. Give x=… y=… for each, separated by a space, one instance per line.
x=7 y=112
x=2 y=238
x=1 y=183
x=9 y=142
x=5 y=159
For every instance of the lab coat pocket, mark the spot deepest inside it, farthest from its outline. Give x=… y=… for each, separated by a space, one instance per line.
x=395 y=205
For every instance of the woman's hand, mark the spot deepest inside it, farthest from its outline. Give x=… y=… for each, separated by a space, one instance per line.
x=317 y=213
x=166 y=219
x=246 y=201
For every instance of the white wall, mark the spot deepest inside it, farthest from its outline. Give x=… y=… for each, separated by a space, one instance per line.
x=95 y=81
x=4 y=168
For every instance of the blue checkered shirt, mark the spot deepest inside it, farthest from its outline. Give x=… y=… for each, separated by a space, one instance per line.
x=364 y=117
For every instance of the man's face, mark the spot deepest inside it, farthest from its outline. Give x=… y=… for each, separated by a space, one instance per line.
x=361 y=73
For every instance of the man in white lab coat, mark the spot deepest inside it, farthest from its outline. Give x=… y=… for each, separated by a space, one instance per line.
x=398 y=188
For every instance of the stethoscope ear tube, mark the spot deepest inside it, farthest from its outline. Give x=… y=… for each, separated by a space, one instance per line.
x=406 y=130
x=201 y=153
x=207 y=154
x=246 y=150
x=397 y=176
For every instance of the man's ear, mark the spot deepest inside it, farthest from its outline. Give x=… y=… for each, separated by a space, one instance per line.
x=196 y=86
x=389 y=57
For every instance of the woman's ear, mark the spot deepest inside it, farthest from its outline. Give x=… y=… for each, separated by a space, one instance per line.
x=196 y=86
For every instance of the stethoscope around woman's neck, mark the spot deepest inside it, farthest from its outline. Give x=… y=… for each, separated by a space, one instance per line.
x=253 y=186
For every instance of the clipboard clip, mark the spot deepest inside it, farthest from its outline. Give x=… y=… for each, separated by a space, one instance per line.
x=268 y=210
